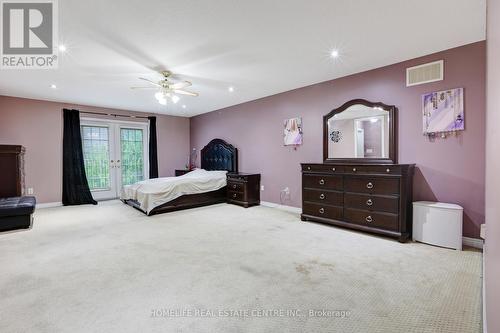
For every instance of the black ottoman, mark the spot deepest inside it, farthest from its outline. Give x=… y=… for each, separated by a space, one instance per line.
x=16 y=212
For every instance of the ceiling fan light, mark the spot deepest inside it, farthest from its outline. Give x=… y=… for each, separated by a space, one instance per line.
x=162 y=101
x=175 y=98
x=159 y=96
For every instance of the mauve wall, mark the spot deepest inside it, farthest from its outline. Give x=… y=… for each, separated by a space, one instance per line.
x=492 y=245
x=37 y=125
x=450 y=170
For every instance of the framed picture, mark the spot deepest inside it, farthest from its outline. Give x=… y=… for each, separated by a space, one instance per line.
x=443 y=111
x=292 y=132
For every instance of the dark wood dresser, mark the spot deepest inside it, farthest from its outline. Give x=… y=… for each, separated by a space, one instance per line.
x=181 y=172
x=374 y=198
x=243 y=189
x=11 y=171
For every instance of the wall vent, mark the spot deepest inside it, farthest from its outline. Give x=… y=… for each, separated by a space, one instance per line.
x=431 y=72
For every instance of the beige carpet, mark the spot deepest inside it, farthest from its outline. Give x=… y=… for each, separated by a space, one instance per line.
x=109 y=268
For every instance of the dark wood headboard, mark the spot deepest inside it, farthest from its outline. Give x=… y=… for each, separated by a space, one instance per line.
x=219 y=155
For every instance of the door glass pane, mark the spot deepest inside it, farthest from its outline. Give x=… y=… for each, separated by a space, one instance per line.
x=95 y=141
x=132 y=153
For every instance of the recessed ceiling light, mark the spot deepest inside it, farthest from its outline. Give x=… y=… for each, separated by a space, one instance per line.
x=53 y=86
x=334 y=54
x=183 y=106
x=230 y=89
x=62 y=47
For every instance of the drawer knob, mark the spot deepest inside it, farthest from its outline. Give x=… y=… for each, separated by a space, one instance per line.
x=387 y=170
x=369 y=202
x=321 y=210
x=322 y=196
x=322 y=182
x=308 y=168
x=234 y=195
x=369 y=219
x=234 y=186
x=333 y=169
x=369 y=185
x=353 y=169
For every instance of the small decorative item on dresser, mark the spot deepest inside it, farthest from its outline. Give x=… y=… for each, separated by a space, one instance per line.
x=181 y=172
x=243 y=189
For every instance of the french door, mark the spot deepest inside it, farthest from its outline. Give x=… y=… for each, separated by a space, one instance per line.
x=115 y=154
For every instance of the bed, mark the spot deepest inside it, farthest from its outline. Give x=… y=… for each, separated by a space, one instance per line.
x=217 y=155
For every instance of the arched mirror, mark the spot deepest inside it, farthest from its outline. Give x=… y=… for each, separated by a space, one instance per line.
x=360 y=132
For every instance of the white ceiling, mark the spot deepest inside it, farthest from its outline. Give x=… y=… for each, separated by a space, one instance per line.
x=261 y=47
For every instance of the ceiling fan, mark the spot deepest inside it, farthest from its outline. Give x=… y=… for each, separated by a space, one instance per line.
x=168 y=89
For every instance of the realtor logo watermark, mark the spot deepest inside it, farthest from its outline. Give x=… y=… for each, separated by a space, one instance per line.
x=29 y=34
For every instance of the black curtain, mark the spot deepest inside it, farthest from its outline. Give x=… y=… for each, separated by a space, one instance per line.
x=153 y=150
x=75 y=187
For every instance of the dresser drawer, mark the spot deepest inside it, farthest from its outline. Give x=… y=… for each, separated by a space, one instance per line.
x=323 y=168
x=238 y=196
x=372 y=219
x=323 y=197
x=373 y=169
x=235 y=186
x=372 y=185
x=236 y=178
x=323 y=182
x=325 y=211
x=372 y=202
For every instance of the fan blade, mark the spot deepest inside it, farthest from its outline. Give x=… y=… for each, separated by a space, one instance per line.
x=180 y=85
x=143 y=88
x=184 y=92
x=152 y=82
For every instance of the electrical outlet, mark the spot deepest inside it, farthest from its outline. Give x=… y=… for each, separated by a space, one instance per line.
x=30 y=190
x=262 y=187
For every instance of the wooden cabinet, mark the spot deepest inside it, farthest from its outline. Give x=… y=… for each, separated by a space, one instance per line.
x=181 y=172
x=243 y=189
x=11 y=171
x=372 y=198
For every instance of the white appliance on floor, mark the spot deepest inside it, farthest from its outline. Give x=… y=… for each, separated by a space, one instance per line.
x=438 y=224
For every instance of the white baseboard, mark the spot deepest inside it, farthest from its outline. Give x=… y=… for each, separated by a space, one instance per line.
x=48 y=205
x=473 y=242
x=291 y=209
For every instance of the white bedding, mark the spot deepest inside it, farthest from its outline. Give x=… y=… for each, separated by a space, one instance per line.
x=152 y=193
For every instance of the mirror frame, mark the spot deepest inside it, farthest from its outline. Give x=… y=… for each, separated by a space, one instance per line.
x=393 y=120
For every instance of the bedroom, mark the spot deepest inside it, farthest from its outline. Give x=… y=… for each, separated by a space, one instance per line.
x=275 y=162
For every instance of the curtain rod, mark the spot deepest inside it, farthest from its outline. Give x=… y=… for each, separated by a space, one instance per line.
x=113 y=114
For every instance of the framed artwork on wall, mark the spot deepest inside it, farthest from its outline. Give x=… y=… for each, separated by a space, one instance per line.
x=443 y=112
x=292 y=132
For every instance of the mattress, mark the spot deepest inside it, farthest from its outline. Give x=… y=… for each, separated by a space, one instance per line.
x=155 y=192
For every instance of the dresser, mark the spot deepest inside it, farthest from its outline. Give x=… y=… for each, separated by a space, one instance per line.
x=179 y=172
x=243 y=189
x=375 y=198
x=11 y=171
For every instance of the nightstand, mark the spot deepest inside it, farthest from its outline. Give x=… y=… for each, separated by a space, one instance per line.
x=243 y=189
x=181 y=172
